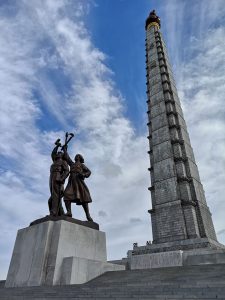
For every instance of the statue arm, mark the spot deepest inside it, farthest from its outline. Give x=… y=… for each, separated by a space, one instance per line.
x=66 y=171
x=86 y=172
x=67 y=157
x=54 y=152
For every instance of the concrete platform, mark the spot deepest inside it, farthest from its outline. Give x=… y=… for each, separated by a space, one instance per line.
x=162 y=255
x=176 y=258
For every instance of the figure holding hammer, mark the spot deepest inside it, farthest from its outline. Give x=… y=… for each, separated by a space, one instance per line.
x=59 y=171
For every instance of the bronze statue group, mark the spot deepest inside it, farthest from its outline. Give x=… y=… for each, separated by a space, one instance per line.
x=76 y=190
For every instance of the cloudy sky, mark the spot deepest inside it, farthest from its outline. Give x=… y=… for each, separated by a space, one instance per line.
x=79 y=66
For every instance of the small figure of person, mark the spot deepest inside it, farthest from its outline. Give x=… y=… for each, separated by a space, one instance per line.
x=76 y=190
x=59 y=171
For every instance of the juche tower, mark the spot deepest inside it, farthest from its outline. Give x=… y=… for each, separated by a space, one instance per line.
x=179 y=210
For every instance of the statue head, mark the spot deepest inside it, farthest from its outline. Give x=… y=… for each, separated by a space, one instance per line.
x=59 y=155
x=79 y=158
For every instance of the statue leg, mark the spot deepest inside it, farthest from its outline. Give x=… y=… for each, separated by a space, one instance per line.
x=61 y=210
x=55 y=200
x=50 y=204
x=68 y=208
x=86 y=209
x=54 y=207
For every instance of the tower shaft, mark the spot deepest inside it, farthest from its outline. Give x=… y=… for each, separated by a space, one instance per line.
x=179 y=209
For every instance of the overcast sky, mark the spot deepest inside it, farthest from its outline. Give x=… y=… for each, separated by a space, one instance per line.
x=79 y=66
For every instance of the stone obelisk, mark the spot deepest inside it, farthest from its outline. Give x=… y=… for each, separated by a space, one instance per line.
x=182 y=227
x=183 y=231
x=179 y=209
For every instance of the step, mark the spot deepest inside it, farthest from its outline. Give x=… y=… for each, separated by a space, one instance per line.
x=194 y=282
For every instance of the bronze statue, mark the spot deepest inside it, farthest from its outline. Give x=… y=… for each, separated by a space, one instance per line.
x=76 y=190
x=59 y=171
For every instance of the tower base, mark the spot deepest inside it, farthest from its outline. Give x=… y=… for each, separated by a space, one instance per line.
x=187 y=244
x=173 y=254
x=176 y=259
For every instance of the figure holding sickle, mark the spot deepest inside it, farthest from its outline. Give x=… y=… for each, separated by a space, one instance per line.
x=76 y=190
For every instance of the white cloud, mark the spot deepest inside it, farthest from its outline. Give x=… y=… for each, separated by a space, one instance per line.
x=116 y=156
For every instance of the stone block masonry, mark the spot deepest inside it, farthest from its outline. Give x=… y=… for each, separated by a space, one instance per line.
x=179 y=210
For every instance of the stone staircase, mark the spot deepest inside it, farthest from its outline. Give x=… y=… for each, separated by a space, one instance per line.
x=191 y=282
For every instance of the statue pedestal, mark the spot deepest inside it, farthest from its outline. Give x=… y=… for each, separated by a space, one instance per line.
x=58 y=252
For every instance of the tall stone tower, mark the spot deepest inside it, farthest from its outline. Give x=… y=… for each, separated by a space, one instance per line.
x=179 y=211
x=183 y=231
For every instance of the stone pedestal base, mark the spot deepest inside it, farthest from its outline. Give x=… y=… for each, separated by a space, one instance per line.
x=77 y=270
x=184 y=245
x=176 y=259
x=177 y=253
x=45 y=252
x=189 y=252
x=156 y=260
